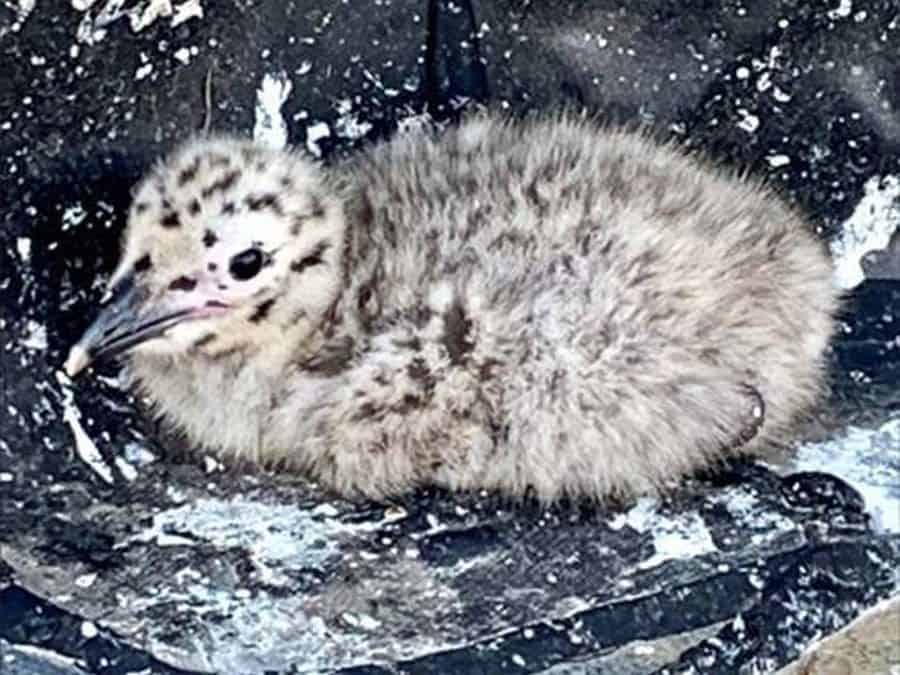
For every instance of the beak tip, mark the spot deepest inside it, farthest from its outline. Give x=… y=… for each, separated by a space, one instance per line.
x=77 y=360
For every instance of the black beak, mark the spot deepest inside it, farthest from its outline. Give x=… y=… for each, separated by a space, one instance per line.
x=125 y=321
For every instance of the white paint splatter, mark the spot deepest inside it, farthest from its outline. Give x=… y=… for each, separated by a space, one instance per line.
x=144 y=15
x=869 y=228
x=749 y=122
x=138 y=455
x=270 y=126
x=127 y=470
x=778 y=160
x=842 y=10
x=276 y=535
x=92 y=28
x=73 y=216
x=187 y=10
x=683 y=536
x=35 y=336
x=84 y=447
x=23 y=247
x=22 y=10
x=143 y=71
x=315 y=133
x=869 y=460
x=755 y=522
x=86 y=580
x=348 y=124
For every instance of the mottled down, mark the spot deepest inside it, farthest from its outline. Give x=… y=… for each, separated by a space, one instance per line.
x=542 y=307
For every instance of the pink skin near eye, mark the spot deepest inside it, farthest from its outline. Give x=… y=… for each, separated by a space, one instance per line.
x=204 y=300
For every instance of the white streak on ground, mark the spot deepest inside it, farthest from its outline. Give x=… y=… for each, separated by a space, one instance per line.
x=265 y=631
x=682 y=536
x=270 y=127
x=23 y=247
x=869 y=228
x=276 y=535
x=42 y=658
x=187 y=10
x=84 y=447
x=867 y=459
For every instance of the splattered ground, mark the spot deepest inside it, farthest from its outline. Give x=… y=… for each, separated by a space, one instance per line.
x=119 y=552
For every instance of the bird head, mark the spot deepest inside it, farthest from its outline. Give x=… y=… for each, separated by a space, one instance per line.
x=229 y=245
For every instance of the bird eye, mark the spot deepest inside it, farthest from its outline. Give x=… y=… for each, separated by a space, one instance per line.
x=246 y=264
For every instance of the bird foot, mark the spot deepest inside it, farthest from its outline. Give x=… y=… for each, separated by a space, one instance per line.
x=752 y=419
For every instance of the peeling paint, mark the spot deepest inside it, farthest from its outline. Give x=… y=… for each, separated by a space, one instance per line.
x=869 y=228
x=270 y=126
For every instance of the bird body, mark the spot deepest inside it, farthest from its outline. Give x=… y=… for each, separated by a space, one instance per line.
x=540 y=307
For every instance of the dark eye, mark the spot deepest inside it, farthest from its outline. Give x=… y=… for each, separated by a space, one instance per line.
x=246 y=264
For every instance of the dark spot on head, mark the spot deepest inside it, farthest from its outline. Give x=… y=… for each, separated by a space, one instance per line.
x=171 y=219
x=456 y=332
x=486 y=371
x=286 y=181
x=188 y=173
x=140 y=207
x=410 y=402
x=365 y=210
x=183 y=284
x=212 y=267
x=143 y=263
x=366 y=411
x=194 y=207
x=316 y=208
x=223 y=184
x=262 y=310
x=314 y=258
x=265 y=201
x=205 y=340
x=209 y=238
x=228 y=208
x=419 y=372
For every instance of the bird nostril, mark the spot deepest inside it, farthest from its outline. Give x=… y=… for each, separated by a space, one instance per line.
x=183 y=284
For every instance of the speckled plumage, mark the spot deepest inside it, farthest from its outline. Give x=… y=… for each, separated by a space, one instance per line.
x=542 y=307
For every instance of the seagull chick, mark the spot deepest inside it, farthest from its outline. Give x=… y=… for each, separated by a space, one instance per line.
x=541 y=307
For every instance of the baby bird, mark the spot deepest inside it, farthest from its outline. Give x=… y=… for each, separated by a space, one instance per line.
x=541 y=307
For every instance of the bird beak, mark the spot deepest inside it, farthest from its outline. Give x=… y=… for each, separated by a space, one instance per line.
x=125 y=321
